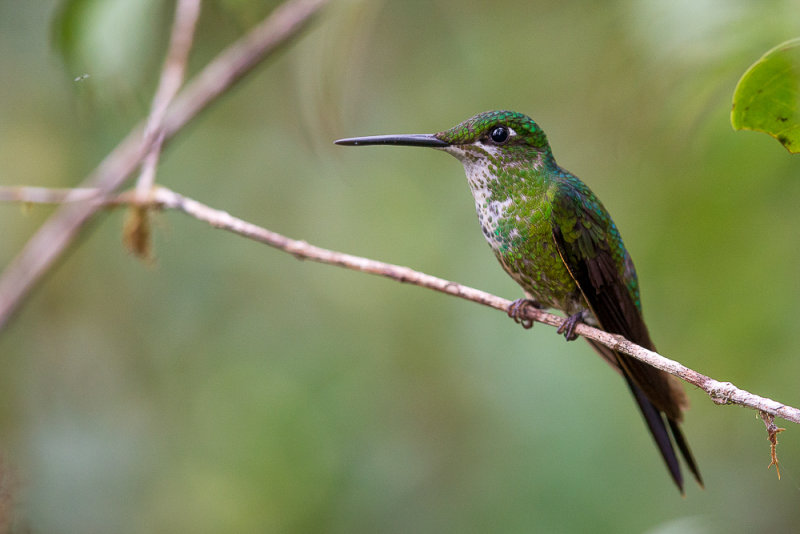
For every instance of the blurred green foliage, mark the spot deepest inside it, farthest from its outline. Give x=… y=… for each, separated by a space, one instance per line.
x=231 y=388
x=767 y=97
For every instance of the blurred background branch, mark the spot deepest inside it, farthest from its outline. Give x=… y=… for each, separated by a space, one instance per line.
x=137 y=226
x=56 y=234
x=172 y=73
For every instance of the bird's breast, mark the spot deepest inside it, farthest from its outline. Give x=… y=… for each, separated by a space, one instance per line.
x=518 y=227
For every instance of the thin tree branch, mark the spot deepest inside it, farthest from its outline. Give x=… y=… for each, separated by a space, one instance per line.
x=172 y=73
x=137 y=224
x=55 y=235
x=720 y=392
x=47 y=195
x=160 y=197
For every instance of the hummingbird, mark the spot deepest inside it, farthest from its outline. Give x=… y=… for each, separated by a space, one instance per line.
x=554 y=237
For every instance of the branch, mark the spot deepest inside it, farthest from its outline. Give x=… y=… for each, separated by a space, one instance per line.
x=47 y=195
x=720 y=392
x=137 y=226
x=55 y=235
x=186 y=14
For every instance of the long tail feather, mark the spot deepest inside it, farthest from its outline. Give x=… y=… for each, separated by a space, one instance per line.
x=656 y=422
x=680 y=441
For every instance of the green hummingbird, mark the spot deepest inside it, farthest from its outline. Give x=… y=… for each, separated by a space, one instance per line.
x=553 y=236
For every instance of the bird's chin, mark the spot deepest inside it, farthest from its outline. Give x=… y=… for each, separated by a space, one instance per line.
x=456 y=151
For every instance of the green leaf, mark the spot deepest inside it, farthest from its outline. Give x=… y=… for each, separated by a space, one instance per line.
x=67 y=27
x=767 y=96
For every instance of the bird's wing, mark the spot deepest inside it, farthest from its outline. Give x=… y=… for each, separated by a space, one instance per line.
x=592 y=250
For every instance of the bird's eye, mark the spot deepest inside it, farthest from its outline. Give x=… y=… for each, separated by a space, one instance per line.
x=499 y=134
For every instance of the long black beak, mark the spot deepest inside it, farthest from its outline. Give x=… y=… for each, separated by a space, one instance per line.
x=403 y=140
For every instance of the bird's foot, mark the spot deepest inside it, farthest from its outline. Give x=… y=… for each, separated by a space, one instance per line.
x=518 y=309
x=568 y=326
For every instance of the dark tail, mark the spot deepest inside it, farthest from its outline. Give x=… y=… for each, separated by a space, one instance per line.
x=680 y=441
x=656 y=423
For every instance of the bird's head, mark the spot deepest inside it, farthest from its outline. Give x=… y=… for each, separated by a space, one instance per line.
x=489 y=138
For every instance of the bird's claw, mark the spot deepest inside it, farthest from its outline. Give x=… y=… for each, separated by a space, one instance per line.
x=518 y=309
x=568 y=326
